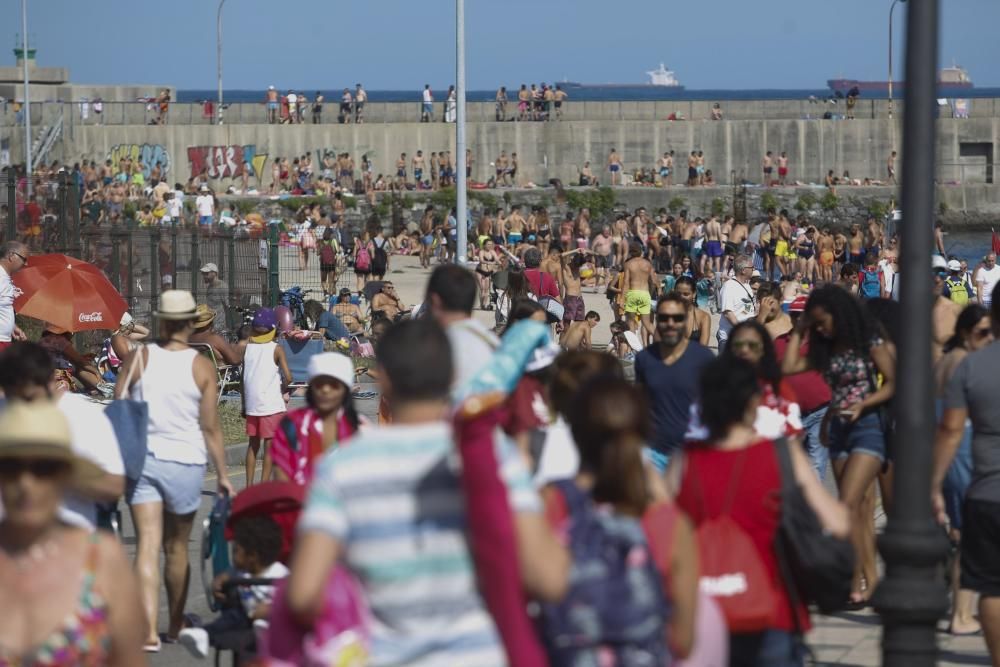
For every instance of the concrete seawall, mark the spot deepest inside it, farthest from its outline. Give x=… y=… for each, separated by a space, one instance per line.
x=966 y=148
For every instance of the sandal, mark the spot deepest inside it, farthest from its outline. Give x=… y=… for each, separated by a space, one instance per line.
x=152 y=647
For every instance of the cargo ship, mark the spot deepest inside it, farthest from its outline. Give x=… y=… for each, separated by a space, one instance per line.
x=952 y=82
x=659 y=78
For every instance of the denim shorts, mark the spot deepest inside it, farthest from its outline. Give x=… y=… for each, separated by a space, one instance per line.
x=176 y=485
x=865 y=436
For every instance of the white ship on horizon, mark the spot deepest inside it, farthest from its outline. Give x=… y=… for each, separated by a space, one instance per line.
x=663 y=77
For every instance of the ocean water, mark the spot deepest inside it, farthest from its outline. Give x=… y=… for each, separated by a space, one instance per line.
x=636 y=93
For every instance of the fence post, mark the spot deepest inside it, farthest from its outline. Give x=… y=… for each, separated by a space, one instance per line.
x=154 y=269
x=62 y=220
x=115 y=268
x=131 y=268
x=273 y=271
x=195 y=264
x=74 y=210
x=234 y=293
x=173 y=255
x=11 y=203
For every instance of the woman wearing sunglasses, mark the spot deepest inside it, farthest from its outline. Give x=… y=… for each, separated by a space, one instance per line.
x=69 y=596
x=859 y=367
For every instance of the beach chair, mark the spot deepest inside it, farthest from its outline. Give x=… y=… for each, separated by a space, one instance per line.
x=298 y=353
x=282 y=501
x=227 y=373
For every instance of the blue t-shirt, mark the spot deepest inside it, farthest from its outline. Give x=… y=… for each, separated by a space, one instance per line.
x=670 y=390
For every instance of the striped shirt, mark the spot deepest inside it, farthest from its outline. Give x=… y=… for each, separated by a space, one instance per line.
x=393 y=499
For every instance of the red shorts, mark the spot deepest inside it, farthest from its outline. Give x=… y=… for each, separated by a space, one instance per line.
x=263 y=427
x=4 y=345
x=782 y=171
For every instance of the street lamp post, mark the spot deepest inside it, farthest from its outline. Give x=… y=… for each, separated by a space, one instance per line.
x=27 y=99
x=912 y=597
x=218 y=57
x=460 y=200
x=892 y=7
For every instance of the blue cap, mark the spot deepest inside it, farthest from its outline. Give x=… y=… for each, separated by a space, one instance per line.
x=265 y=319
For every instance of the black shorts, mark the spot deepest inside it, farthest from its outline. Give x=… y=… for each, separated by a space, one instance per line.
x=602 y=261
x=981 y=546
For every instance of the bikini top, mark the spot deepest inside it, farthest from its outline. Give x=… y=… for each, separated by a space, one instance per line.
x=83 y=639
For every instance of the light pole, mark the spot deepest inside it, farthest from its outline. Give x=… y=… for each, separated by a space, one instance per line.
x=27 y=98
x=892 y=7
x=912 y=597
x=460 y=200
x=218 y=57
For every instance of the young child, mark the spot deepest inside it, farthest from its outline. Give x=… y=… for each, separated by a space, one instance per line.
x=265 y=376
x=257 y=544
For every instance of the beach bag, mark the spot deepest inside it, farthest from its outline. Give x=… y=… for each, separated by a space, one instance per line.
x=327 y=255
x=130 y=420
x=339 y=637
x=732 y=571
x=363 y=261
x=615 y=610
x=817 y=568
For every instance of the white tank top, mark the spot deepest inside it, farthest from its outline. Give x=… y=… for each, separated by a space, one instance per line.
x=262 y=380
x=168 y=387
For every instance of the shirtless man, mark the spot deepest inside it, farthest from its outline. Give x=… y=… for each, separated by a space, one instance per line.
x=665 y=164
x=713 y=243
x=944 y=315
x=559 y=96
x=401 y=170
x=587 y=175
x=602 y=247
x=426 y=236
x=387 y=302
x=782 y=167
x=498 y=230
x=512 y=171
x=577 y=335
x=856 y=246
x=826 y=252
x=767 y=165
x=552 y=265
x=699 y=166
x=571 y=288
x=418 y=168
x=784 y=253
x=892 y=169
x=692 y=169
x=515 y=226
x=615 y=167
x=639 y=284
x=688 y=229
x=348 y=313
x=501 y=169
x=619 y=240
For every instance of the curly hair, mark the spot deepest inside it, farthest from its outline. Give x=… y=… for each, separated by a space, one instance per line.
x=853 y=326
x=259 y=535
x=768 y=368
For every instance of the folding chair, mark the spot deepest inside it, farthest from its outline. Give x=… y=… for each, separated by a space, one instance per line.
x=298 y=353
x=226 y=372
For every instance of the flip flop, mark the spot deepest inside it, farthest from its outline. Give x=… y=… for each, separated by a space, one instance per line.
x=152 y=648
x=974 y=633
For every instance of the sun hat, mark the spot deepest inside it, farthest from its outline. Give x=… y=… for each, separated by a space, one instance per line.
x=798 y=304
x=332 y=364
x=204 y=316
x=176 y=304
x=210 y=267
x=954 y=265
x=39 y=430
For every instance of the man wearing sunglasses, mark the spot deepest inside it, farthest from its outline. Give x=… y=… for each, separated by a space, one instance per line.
x=13 y=258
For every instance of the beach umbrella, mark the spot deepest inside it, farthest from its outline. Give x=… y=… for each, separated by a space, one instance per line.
x=69 y=293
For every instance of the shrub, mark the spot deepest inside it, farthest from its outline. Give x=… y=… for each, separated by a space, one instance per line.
x=805 y=202
x=829 y=202
x=718 y=207
x=601 y=201
x=768 y=201
x=877 y=208
x=676 y=204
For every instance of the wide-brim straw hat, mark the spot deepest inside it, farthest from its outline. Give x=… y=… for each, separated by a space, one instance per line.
x=177 y=304
x=39 y=430
x=205 y=316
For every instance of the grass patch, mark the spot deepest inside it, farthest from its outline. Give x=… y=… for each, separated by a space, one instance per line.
x=234 y=426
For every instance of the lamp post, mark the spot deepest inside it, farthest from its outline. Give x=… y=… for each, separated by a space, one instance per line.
x=218 y=57
x=460 y=201
x=27 y=99
x=912 y=597
x=892 y=7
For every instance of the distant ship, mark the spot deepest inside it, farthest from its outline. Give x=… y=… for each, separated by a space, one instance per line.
x=660 y=78
x=952 y=82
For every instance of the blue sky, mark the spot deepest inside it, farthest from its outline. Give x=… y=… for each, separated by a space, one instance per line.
x=402 y=44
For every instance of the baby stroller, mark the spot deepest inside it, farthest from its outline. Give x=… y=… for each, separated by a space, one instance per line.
x=282 y=502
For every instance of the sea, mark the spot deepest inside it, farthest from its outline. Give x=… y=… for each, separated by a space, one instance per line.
x=579 y=93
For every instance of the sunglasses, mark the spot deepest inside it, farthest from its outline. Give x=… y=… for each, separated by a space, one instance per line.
x=23 y=258
x=39 y=468
x=667 y=317
x=982 y=332
x=752 y=345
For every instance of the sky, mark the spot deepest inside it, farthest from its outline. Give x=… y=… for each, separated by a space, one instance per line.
x=403 y=44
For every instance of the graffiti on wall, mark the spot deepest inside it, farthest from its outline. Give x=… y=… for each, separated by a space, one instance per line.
x=226 y=161
x=148 y=155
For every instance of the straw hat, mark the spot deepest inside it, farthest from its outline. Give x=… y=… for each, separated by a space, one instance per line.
x=177 y=304
x=39 y=430
x=204 y=316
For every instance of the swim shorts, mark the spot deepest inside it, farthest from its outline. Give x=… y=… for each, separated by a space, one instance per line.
x=638 y=302
x=513 y=238
x=574 y=309
x=176 y=485
x=713 y=248
x=826 y=258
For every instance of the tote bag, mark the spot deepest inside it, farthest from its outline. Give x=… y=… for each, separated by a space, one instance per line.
x=130 y=419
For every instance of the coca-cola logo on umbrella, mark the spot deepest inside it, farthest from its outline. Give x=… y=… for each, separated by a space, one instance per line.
x=91 y=317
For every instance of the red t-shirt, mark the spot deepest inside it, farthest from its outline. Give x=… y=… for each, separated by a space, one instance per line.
x=810 y=388
x=541 y=283
x=518 y=413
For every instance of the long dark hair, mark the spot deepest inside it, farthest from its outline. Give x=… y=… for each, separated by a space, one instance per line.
x=609 y=419
x=967 y=321
x=728 y=385
x=517 y=286
x=853 y=326
x=350 y=412
x=768 y=369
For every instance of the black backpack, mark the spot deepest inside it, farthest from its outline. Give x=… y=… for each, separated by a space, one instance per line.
x=815 y=566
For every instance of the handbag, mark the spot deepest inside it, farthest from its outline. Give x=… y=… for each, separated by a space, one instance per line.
x=130 y=420
x=816 y=567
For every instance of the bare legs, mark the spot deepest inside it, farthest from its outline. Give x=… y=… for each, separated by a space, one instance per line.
x=854 y=479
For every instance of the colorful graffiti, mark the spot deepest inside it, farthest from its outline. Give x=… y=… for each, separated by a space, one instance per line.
x=225 y=161
x=148 y=155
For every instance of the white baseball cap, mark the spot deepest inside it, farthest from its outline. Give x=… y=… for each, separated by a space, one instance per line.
x=954 y=265
x=332 y=364
x=208 y=268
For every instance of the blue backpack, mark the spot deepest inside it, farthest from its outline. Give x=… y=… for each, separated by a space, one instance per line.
x=870 y=285
x=615 y=601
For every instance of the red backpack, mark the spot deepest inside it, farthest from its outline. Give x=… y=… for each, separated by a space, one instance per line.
x=732 y=571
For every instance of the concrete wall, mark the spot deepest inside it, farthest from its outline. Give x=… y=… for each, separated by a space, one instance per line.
x=545 y=150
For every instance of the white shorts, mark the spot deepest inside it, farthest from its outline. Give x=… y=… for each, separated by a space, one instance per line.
x=176 y=485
